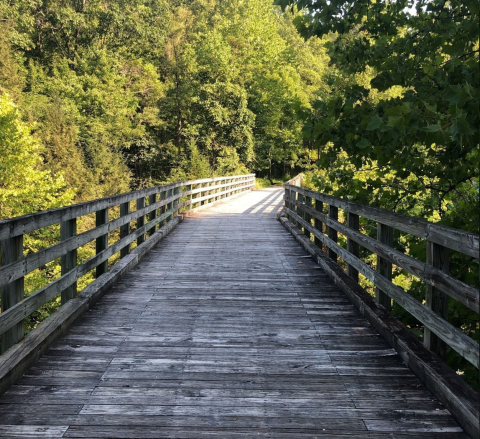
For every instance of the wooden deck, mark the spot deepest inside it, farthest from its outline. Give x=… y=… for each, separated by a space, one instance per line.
x=227 y=329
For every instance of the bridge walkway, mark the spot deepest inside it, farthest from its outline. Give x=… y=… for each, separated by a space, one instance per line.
x=227 y=329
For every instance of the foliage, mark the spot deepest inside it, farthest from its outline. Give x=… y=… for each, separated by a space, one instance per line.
x=399 y=127
x=24 y=185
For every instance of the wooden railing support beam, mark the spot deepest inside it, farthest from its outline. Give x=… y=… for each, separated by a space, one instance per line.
x=332 y=233
x=140 y=219
x=101 y=243
x=307 y=201
x=69 y=260
x=384 y=267
x=12 y=293
x=125 y=229
x=152 y=199
x=318 y=223
x=437 y=301
x=353 y=221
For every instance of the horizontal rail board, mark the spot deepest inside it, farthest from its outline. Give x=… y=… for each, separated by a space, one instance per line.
x=454 y=393
x=456 y=289
x=458 y=240
x=11 y=272
x=456 y=339
x=215 y=195
x=221 y=186
x=28 y=305
x=22 y=267
x=28 y=223
x=218 y=186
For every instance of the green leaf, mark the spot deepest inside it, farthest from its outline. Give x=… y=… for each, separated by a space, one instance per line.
x=375 y=123
x=455 y=94
x=432 y=108
x=393 y=121
x=431 y=128
x=364 y=143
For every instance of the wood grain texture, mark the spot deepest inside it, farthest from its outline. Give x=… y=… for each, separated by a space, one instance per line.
x=437 y=256
x=69 y=260
x=454 y=337
x=455 y=394
x=456 y=289
x=463 y=242
x=27 y=223
x=227 y=329
x=11 y=250
x=384 y=266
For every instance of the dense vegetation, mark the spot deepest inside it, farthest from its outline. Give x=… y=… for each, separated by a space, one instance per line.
x=399 y=126
x=376 y=101
x=128 y=94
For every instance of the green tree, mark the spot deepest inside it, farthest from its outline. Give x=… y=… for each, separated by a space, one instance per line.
x=25 y=186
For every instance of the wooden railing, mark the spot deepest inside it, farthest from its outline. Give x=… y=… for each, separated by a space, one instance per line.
x=314 y=216
x=311 y=218
x=295 y=181
x=155 y=207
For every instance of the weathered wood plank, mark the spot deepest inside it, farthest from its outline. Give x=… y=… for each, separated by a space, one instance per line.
x=11 y=250
x=457 y=396
x=438 y=257
x=465 y=294
x=28 y=223
x=463 y=242
x=384 y=266
x=227 y=330
x=28 y=305
x=69 y=260
x=456 y=339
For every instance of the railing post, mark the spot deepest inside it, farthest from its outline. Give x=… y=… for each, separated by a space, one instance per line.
x=332 y=233
x=68 y=261
x=193 y=204
x=176 y=202
x=140 y=220
x=163 y=209
x=209 y=192
x=125 y=229
x=300 y=201
x=308 y=202
x=438 y=257
x=170 y=205
x=384 y=267
x=318 y=223
x=152 y=199
x=294 y=199
x=287 y=202
x=200 y=194
x=101 y=243
x=353 y=221
x=12 y=293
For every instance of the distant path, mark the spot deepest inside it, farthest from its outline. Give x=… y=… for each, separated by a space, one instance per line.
x=227 y=329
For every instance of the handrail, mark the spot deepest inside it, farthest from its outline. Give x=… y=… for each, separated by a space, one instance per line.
x=458 y=240
x=175 y=198
x=432 y=314
x=295 y=181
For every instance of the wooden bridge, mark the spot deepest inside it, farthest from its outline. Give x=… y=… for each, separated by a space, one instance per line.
x=228 y=328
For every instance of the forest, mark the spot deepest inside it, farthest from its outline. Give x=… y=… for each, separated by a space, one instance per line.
x=376 y=102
